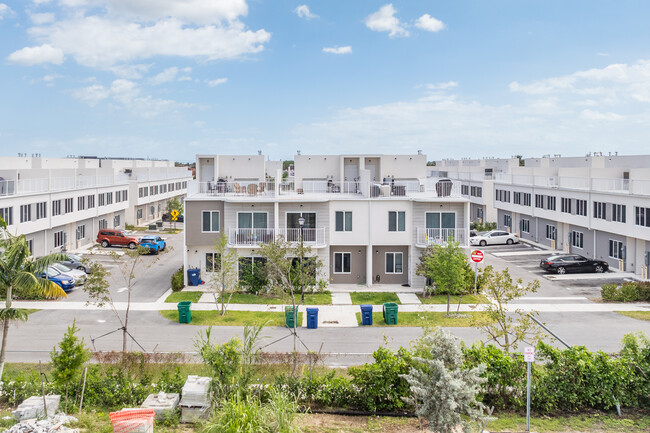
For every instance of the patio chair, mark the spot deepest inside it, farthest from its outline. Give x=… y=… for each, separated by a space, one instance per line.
x=237 y=188
x=252 y=189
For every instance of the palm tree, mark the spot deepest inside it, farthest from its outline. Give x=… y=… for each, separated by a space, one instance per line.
x=20 y=273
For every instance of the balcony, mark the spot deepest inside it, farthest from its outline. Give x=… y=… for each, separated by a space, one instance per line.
x=239 y=188
x=311 y=237
x=249 y=237
x=427 y=237
x=7 y=187
x=323 y=187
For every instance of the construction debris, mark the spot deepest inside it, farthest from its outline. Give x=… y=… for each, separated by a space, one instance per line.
x=195 y=403
x=33 y=407
x=55 y=424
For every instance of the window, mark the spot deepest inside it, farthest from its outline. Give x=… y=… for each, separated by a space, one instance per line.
x=435 y=221
x=81 y=203
x=56 y=207
x=247 y=265
x=30 y=245
x=577 y=239
x=25 y=213
x=7 y=214
x=464 y=189
x=507 y=220
x=600 y=210
x=59 y=239
x=69 y=205
x=252 y=220
x=516 y=199
x=642 y=216
x=103 y=224
x=109 y=198
x=566 y=205
x=210 y=220
x=139 y=214
x=116 y=221
x=152 y=210
x=41 y=210
x=539 y=200
x=394 y=263
x=396 y=221
x=618 y=213
x=118 y=196
x=81 y=232
x=185 y=185
x=616 y=249
x=581 y=207
x=526 y=199
x=343 y=221
x=212 y=262
x=125 y=195
x=550 y=202
x=503 y=195
x=551 y=232
x=91 y=201
x=102 y=199
x=342 y=263
x=525 y=225
x=476 y=191
x=159 y=207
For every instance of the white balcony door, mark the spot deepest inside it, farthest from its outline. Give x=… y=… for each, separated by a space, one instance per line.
x=440 y=225
x=293 y=226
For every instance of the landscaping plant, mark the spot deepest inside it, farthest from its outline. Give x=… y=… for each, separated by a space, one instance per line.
x=69 y=360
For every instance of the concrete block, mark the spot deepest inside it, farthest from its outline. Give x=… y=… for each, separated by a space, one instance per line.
x=161 y=403
x=196 y=391
x=33 y=407
x=193 y=414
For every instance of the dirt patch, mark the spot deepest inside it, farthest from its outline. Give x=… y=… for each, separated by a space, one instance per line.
x=326 y=423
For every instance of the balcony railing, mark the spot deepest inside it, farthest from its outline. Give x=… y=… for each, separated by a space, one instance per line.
x=7 y=187
x=311 y=237
x=250 y=237
x=616 y=185
x=330 y=187
x=439 y=236
x=240 y=188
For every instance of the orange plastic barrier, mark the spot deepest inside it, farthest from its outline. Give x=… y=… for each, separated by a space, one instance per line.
x=132 y=420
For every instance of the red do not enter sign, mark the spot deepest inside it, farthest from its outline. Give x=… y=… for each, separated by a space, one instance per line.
x=477 y=256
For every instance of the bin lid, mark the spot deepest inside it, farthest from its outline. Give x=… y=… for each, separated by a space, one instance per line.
x=185 y=303
x=366 y=306
x=312 y=310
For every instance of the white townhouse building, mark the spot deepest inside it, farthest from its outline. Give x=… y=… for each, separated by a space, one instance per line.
x=367 y=217
x=597 y=205
x=60 y=203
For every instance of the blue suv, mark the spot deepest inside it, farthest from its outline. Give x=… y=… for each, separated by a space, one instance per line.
x=154 y=244
x=66 y=282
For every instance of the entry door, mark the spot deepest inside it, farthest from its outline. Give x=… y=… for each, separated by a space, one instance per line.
x=207 y=173
x=293 y=226
x=351 y=171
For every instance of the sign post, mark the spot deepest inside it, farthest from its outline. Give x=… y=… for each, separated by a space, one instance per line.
x=529 y=358
x=477 y=257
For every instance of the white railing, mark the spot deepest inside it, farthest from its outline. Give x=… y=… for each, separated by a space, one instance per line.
x=33 y=185
x=574 y=182
x=86 y=181
x=287 y=187
x=239 y=188
x=330 y=187
x=522 y=179
x=640 y=187
x=309 y=236
x=546 y=181
x=250 y=237
x=62 y=183
x=439 y=236
x=610 y=184
x=7 y=187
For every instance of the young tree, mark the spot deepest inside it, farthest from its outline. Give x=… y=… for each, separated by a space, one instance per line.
x=224 y=276
x=20 y=273
x=442 y=391
x=507 y=327
x=446 y=266
x=174 y=204
x=69 y=360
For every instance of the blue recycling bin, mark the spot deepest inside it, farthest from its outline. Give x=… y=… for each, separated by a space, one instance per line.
x=194 y=277
x=312 y=318
x=366 y=315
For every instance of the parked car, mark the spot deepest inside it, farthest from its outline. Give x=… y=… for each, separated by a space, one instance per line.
x=494 y=237
x=116 y=237
x=78 y=276
x=167 y=217
x=563 y=263
x=75 y=262
x=66 y=282
x=154 y=244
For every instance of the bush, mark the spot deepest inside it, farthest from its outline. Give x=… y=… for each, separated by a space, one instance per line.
x=643 y=291
x=178 y=280
x=630 y=291
x=609 y=292
x=483 y=227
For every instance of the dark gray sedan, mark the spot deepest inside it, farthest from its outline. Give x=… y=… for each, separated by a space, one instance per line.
x=75 y=262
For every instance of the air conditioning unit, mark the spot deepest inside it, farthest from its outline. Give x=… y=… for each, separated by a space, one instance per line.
x=128 y=171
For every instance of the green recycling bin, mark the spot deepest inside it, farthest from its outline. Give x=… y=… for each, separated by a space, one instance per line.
x=184 y=313
x=159 y=224
x=390 y=313
x=153 y=226
x=289 y=317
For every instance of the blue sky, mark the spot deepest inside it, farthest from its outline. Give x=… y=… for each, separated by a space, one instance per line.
x=172 y=78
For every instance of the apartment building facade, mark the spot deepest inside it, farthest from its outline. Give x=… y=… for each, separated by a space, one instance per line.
x=60 y=203
x=367 y=217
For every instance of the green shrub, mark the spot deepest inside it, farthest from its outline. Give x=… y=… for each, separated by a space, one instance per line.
x=178 y=280
x=628 y=292
x=610 y=293
x=643 y=291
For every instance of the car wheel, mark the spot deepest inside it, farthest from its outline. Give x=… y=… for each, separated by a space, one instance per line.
x=131 y=245
x=81 y=268
x=599 y=269
x=509 y=242
x=561 y=270
x=105 y=243
x=482 y=243
x=163 y=248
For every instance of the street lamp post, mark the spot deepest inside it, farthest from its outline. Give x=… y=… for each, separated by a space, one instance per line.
x=301 y=223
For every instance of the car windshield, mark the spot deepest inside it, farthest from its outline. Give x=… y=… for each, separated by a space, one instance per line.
x=148 y=240
x=60 y=267
x=51 y=272
x=74 y=258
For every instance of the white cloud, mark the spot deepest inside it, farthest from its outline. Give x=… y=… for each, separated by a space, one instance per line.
x=42 y=18
x=4 y=10
x=338 y=50
x=91 y=95
x=442 y=86
x=165 y=76
x=132 y=72
x=429 y=23
x=384 y=20
x=303 y=12
x=30 y=56
x=218 y=81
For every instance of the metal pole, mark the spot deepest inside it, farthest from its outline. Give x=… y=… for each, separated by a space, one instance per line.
x=549 y=331
x=475 y=276
x=528 y=398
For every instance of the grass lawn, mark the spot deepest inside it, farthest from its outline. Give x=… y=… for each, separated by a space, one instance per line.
x=426 y=318
x=442 y=299
x=176 y=297
x=589 y=422
x=321 y=298
x=232 y=318
x=640 y=315
x=373 y=298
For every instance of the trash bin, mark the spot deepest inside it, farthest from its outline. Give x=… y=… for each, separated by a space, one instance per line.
x=366 y=315
x=312 y=318
x=390 y=313
x=289 y=317
x=158 y=224
x=194 y=276
x=184 y=313
x=152 y=227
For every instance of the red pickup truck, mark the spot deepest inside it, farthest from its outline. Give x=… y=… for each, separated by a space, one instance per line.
x=116 y=237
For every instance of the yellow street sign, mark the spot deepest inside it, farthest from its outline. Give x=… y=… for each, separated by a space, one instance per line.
x=175 y=213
